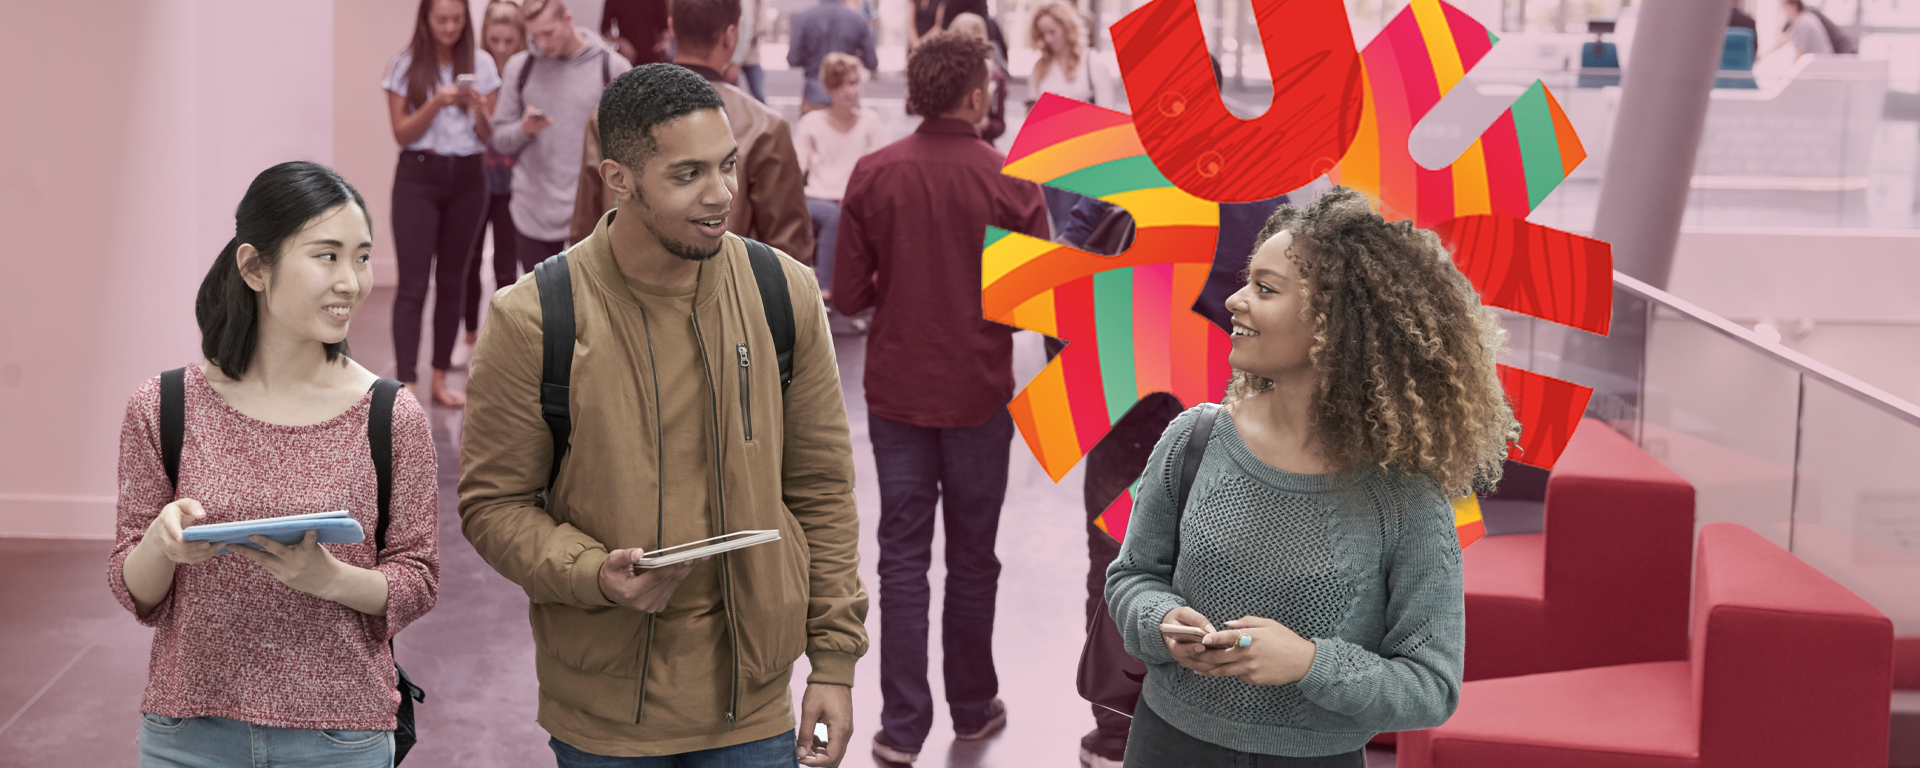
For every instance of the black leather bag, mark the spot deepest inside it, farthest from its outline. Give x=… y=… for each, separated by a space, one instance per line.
x=1108 y=675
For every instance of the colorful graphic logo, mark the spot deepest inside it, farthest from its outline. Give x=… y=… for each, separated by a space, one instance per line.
x=1336 y=112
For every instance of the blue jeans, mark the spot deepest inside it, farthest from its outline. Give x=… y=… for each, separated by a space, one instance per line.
x=826 y=229
x=217 y=742
x=765 y=753
x=963 y=471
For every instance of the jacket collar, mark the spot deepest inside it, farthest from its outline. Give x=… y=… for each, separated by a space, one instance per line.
x=596 y=254
x=712 y=75
x=947 y=126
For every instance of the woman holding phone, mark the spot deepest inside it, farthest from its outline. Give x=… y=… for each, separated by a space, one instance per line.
x=276 y=656
x=440 y=97
x=1310 y=595
x=503 y=33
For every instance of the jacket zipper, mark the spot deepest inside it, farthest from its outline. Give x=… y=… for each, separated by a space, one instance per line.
x=660 y=507
x=746 y=390
x=720 y=506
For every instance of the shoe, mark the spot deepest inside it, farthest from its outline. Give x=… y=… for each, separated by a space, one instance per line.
x=892 y=755
x=1092 y=759
x=995 y=723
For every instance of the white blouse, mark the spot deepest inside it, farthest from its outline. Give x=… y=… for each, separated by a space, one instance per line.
x=827 y=154
x=1091 y=83
x=451 y=132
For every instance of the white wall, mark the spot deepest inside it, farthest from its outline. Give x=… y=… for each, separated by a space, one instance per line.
x=117 y=189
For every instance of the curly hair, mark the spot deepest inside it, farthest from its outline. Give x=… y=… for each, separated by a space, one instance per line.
x=837 y=68
x=941 y=72
x=1403 y=351
x=1068 y=17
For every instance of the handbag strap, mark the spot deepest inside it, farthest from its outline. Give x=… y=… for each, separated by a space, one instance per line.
x=1190 y=466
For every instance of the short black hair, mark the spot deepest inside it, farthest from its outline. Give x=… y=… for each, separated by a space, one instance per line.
x=698 y=24
x=943 y=70
x=278 y=204
x=647 y=96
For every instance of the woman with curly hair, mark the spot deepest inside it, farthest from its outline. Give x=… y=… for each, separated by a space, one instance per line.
x=1364 y=398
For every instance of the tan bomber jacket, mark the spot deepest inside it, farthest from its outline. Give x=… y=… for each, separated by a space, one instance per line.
x=785 y=465
x=770 y=204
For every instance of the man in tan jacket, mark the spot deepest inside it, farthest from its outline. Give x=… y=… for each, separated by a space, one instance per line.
x=772 y=203
x=681 y=431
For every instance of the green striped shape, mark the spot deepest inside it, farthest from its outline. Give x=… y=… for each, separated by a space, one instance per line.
x=1113 y=177
x=1113 y=318
x=1539 y=147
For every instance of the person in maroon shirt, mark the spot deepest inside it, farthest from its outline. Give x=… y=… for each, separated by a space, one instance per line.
x=939 y=375
x=638 y=28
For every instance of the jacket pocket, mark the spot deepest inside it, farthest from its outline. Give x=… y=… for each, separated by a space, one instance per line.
x=602 y=640
x=746 y=391
x=774 y=611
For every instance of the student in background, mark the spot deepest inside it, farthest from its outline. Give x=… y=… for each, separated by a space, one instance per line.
x=912 y=224
x=637 y=29
x=829 y=142
x=995 y=124
x=1066 y=68
x=282 y=648
x=828 y=27
x=1341 y=487
x=542 y=123
x=440 y=98
x=744 y=68
x=503 y=33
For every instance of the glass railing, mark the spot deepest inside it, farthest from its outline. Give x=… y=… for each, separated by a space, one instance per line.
x=1817 y=461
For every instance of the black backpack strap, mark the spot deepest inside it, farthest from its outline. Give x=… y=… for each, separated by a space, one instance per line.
x=1190 y=464
x=556 y=360
x=380 y=444
x=520 y=83
x=772 y=280
x=173 y=421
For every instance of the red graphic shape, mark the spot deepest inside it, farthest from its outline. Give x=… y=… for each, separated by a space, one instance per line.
x=1205 y=150
x=1549 y=408
x=1537 y=271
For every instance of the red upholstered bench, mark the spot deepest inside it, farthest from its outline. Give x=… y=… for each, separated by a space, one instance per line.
x=1785 y=668
x=1606 y=583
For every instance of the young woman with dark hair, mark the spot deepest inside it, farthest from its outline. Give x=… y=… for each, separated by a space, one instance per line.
x=280 y=653
x=440 y=97
x=1318 y=530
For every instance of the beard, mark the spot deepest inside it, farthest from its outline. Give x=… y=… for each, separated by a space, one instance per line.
x=680 y=248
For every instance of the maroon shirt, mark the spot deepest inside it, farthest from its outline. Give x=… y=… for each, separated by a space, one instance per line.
x=912 y=226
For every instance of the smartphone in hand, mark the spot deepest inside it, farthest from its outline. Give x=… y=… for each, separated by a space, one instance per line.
x=1181 y=633
x=465 y=82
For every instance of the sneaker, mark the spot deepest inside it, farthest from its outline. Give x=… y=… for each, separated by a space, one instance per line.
x=996 y=722
x=888 y=754
x=1092 y=759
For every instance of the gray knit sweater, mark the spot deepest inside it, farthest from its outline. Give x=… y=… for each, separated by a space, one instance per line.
x=1368 y=569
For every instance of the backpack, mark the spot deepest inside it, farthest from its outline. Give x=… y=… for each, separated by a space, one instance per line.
x=1108 y=676
x=557 y=336
x=173 y=430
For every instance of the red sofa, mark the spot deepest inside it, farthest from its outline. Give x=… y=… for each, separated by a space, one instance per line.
x=1606 y=583
x=1785 y=668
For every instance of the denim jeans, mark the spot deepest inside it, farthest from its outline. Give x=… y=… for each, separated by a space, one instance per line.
x=826 y=229
x=1155 y=743
x=217 y=742
x=963 y=471
x=774 y=752
x=755 y=79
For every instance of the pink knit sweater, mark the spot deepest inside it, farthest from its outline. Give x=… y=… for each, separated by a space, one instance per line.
x=230 y=639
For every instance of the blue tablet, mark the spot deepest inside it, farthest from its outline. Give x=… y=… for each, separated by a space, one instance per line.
x=334 y=528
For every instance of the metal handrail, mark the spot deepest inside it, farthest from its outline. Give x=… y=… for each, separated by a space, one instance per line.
x=1859 y=390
